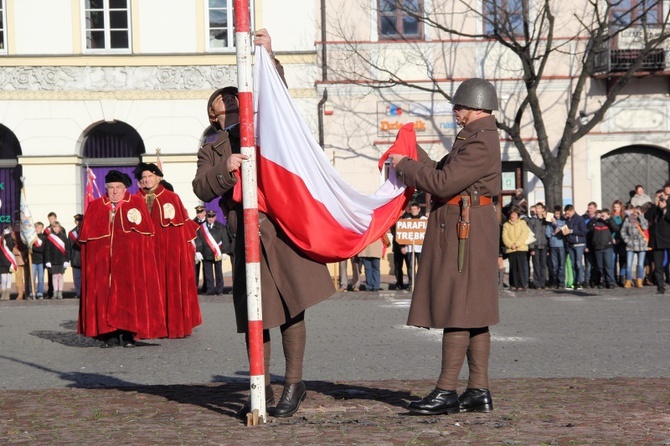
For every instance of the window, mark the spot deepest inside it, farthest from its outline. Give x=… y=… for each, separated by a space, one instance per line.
x=3 y=34
x=504 y=17
x=107 y=25
x=398 y=19
x=221 y=24
x=639 y=12
x=221 y=31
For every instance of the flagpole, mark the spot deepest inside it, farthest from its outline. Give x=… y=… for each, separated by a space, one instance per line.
x=27 y=233
x=250 y=213
x=32 y=278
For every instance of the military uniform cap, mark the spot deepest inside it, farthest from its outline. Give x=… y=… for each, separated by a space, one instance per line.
x=221 y=91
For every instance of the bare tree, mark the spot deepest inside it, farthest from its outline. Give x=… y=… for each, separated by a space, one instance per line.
x=526 y=31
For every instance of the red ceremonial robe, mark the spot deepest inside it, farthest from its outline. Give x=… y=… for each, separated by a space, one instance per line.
x=175 y=257
x=119 y=284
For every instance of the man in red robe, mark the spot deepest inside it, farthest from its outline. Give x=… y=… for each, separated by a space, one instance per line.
x=121 y=294
x=175 y=252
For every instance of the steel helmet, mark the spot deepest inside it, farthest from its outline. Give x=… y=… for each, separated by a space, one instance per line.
x=221 y=91
x=475 y=93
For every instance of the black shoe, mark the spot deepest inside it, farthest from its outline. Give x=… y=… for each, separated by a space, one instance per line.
x=475 y=400
x=660 y=291
x=435 y=403
x=110 y=342
x=126 y=340
x=269 y=401
x=290 y=400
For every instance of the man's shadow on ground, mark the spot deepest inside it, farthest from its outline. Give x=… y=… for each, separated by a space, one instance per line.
x=224 y=394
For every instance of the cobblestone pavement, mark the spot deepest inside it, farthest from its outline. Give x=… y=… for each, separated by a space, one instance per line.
x=527 y=411
x=615 y=411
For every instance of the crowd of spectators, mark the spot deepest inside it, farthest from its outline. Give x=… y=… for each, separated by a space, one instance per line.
x=605 y=247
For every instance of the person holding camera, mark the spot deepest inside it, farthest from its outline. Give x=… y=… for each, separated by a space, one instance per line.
x=659 y=236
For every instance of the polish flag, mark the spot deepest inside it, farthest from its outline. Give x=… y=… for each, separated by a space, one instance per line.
x=300 y=189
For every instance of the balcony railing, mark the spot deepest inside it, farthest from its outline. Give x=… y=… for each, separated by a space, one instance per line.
x=617 y=60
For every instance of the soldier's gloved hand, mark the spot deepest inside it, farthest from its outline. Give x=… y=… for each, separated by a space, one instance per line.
x=48 y=264
x=66 y=264
x=224 y=256
x=198 y=257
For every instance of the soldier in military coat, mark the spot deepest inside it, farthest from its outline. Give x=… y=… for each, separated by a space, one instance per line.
x=456 y=288
x=290 y=281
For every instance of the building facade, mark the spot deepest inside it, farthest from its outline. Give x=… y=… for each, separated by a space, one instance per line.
x=386 y=67
x=108 y=83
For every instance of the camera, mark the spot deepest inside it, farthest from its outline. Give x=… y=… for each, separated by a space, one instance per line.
x=661 y=198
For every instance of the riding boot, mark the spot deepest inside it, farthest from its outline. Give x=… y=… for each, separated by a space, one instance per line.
x=444 y=399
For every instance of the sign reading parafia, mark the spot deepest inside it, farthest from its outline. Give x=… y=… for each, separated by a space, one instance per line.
x=410 y=231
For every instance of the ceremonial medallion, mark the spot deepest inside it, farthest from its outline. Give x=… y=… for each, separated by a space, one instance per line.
x=168 y=211
x=135 y=216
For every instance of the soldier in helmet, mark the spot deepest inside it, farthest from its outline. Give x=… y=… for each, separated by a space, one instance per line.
x=456 y=288
x=290 y=281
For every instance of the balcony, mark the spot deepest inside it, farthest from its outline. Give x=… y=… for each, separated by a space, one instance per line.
x=612 y=61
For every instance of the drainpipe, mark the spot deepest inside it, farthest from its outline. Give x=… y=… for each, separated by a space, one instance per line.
x=324 y=54
x=323 y=100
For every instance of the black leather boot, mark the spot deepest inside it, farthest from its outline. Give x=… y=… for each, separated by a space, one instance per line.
x=435 y=403
x=475 y=400
x=290 y=400
x=269 y=401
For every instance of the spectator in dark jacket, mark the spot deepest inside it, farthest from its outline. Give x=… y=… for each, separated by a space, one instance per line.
x=575 y=243
x=659 y=236
x=57 y=256
x=538 y=249
x=75 y=254
x=601 y=229
x=554 y=232
x=37 y=290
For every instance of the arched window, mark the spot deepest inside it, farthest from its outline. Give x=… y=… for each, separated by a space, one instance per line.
x=10 y=176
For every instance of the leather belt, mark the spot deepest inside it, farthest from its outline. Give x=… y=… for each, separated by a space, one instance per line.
x=456 y=200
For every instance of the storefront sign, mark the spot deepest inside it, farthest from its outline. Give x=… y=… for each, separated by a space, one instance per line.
x=431 y=119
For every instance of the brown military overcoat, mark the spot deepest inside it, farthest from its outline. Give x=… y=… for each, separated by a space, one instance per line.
x=443 y=297
x=290 y=281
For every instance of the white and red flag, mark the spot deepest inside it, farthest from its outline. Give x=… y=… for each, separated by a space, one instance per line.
x=28 y=233
x=90 y=184
x=298 y=186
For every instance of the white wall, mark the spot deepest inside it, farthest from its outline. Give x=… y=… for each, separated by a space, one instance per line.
x=291 y=24
x=43 y=27
x=167 y=26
